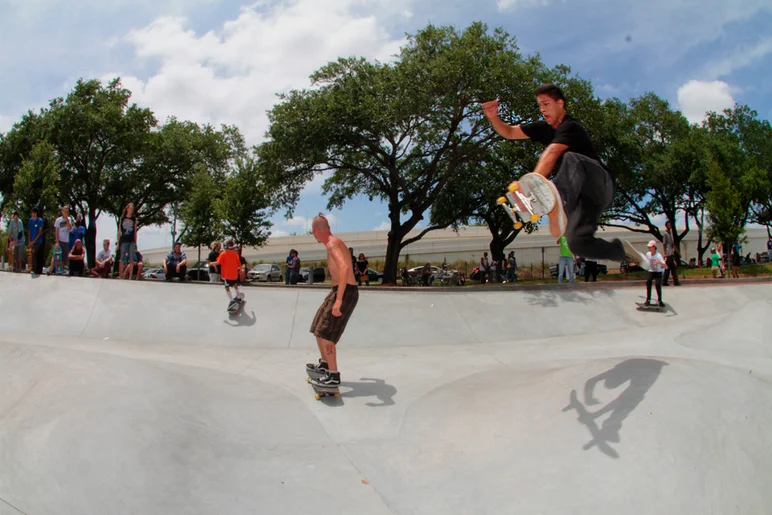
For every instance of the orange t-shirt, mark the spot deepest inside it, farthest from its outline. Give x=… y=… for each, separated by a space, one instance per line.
x=229 y=265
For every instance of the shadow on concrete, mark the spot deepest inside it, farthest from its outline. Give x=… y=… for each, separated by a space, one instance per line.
x=241 y=320
x=641 y=374
x=371 y=388
x=668 y=309
x=549 y=298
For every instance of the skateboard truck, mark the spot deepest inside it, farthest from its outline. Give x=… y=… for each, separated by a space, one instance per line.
x=516 y=201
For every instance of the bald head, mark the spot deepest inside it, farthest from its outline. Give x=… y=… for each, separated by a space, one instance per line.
x=321 y=228
x=321 y=223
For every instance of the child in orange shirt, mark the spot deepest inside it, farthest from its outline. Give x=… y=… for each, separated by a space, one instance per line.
x=229 y=271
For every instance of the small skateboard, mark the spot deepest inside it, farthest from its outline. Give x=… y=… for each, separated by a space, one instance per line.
x=58 y=269
x=529 y=199
x=324 y=391
x=29 y=258
x=650 y=307
x=321 y=391
x=237 y=306
x=586 y=418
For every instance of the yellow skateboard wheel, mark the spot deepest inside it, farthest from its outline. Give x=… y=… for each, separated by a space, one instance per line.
x=534 y=218
x=513 y=187
x=518 y=226
x=318 y=397
x=308 y=379
x=501 y=200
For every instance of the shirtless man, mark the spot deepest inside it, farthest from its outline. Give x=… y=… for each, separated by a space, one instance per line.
x=333 y=315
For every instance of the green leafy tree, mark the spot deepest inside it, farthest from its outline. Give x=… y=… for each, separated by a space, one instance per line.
x=15 y=146
x=201 y=222
x=397 y=131
x=37 y=182
x=738 y=176
x=161 y=178
x=246 y=204
x=658 y=159
x=97 y=135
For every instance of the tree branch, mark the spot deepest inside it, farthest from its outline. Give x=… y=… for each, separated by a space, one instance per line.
x=423 y=233
x=631 y=229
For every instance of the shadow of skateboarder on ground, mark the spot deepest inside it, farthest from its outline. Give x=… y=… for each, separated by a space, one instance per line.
x=641 y=374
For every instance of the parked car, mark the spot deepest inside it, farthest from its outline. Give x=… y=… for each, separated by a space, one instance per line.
x=319 y=274
x=154 y=274
x=198 y=272
x=374 y=276
x=625 y=267
x=265 y=272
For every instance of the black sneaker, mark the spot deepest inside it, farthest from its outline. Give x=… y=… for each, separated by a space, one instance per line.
x=647 y=303
x=329 y=380
x=661 y=304
x=319 y=368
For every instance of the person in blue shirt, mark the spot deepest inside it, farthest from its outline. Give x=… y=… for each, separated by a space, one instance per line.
x=78 y=231
x=37 y=241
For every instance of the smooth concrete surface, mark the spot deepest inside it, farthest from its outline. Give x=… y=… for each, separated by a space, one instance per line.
x=129 y=398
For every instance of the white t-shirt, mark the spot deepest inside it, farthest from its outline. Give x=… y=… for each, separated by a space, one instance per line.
x=655 y=267
x=103 y=255
x=63 y=233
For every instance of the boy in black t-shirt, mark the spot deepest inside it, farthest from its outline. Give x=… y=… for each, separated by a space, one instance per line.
x=585 y=185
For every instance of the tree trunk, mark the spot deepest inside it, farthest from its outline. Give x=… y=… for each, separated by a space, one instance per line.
x=91 y=236
x=700 y=230
x=392 y=258
x=198 y=264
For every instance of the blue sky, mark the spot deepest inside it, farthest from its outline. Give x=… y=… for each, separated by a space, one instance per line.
x=223 y=61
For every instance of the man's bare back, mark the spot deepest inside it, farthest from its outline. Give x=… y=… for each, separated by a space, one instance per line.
x=338 y=262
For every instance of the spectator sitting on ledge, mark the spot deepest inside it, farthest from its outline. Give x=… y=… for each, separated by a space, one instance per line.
x=175 y=264
x=77 y=259
x=104 y=261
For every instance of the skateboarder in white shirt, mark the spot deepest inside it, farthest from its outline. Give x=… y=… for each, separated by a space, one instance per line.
x=657 y=265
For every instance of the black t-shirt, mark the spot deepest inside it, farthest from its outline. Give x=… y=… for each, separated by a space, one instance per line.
x=570 y=132
x=128 y=226
x=213 y=257
x=362 y=266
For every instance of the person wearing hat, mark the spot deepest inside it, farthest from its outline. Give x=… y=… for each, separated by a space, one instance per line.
x=656 y=266
x=230 y=264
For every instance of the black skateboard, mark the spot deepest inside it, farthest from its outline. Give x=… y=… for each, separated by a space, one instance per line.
x=650 y=307
x=324 y=391
x=236 y=307
x=321 y=391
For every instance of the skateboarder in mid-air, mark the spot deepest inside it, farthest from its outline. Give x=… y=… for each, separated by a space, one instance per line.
x=229 y=271
x=336 y=309
x=585 y=185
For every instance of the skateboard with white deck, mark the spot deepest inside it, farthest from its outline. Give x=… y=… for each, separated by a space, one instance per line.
x=530 y=198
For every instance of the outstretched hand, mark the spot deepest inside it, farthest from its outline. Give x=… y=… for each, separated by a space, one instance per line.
x=491 y=108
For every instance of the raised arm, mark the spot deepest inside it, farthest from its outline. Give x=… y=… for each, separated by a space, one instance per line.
x=491 y=110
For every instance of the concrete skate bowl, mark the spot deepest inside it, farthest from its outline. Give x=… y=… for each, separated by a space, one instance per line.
x=148 y=398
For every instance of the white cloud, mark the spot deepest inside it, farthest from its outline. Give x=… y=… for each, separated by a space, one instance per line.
x=695 y=98
x=739 y=60
x=232 y=74
x=384 y=226
x=511 y=5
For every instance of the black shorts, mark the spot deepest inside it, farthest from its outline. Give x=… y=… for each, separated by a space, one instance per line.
x=326 y=325
x=231 y=282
